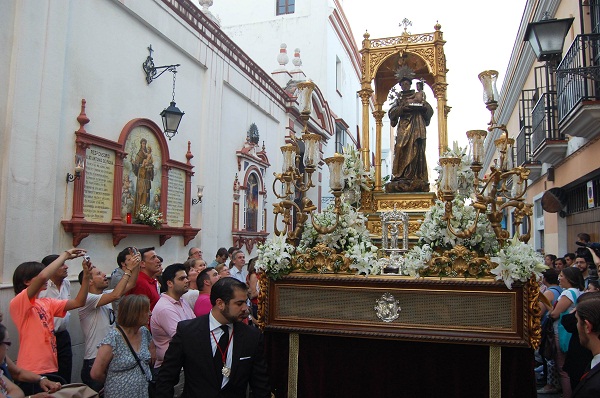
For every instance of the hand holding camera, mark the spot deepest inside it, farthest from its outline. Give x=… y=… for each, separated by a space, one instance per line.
x=135 y=259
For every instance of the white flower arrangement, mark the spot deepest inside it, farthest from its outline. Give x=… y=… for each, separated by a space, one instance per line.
x=350 y=237
x=355 y=176
x=416 y=259
x=518 y=261
x=275 y=257
x=434 y=231
x=147 y=216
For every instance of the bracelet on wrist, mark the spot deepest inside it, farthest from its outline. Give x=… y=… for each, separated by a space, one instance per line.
x=41 y=378
x=126 y=274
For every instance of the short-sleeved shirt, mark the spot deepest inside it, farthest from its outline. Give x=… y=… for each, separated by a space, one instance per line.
x=203 y=305
x=96 y=322
x=64 y=293
x=148 y=287
x=124 y=377
x=190 y=297
x=240 y=275
x=573 y=295
x=34 y=320
x=167 y=313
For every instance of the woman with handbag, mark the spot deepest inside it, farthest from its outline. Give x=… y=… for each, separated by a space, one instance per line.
x=571 y=280
x=548 y=346
x=125 y=354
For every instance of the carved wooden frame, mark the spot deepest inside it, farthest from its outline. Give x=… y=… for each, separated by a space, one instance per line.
x=81 y=228
x=523 y=316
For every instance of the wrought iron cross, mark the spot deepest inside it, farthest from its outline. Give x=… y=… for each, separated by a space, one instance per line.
x=406 y=22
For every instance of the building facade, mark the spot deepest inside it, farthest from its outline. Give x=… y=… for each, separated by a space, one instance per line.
x=317 y=38
x=74 y=85
x=552 y=111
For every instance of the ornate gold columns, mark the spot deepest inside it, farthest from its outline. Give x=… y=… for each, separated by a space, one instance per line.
x=365 y=96
x=378 y=114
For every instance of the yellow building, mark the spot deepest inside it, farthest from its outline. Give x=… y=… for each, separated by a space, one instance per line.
x=551 y=107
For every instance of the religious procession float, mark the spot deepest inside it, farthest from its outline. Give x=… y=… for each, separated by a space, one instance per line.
x=393 y=290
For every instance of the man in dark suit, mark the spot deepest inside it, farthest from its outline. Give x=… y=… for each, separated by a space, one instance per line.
x=219 y=354
x=588 y=325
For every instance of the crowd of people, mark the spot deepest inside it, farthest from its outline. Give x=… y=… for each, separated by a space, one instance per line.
x=569 y=353
x=130 y=323
x=150 y=332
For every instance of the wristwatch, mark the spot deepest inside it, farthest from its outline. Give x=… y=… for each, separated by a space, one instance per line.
x=41 y=378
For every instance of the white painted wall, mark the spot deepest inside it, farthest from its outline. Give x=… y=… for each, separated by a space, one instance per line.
x=55 y=54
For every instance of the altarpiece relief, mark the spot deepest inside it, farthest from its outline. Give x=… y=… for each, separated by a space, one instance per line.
x=119 y=178
x=249 y=224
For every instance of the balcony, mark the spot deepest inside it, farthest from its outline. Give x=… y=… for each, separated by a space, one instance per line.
x=578 y=87
x=547 y=143
x=523 y=153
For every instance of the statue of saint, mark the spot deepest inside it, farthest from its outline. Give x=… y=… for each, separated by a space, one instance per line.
x=412 y=114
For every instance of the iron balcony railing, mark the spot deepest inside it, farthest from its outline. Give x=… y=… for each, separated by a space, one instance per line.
x=523 y=147
x=578 y=75
x=544 y=121
x=526 y=102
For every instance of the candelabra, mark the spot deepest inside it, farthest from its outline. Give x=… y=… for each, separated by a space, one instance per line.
x=492 y=194
x=293 y=179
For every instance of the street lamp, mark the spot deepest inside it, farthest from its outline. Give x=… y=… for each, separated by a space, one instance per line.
x=171 y=116
x=547 y=37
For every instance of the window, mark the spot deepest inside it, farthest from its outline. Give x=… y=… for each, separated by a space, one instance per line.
x=285 y=7
x=340 y=138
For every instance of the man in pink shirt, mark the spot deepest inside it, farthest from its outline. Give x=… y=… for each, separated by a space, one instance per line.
x=205 y=280
x=169 y=311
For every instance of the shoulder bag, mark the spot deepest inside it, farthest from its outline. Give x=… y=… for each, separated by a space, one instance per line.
x=563 y=336
x=137 y=358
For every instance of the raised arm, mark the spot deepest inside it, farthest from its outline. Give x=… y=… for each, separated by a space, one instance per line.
x=127 y=282
x=40 y=279
x=79 y=300
x=594 y=257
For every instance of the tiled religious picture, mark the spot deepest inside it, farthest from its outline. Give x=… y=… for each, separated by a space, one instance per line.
x=141 y=172
x=252 y=203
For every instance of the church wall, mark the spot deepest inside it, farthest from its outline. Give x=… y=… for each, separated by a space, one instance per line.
x=58 y=53
x=328 y=37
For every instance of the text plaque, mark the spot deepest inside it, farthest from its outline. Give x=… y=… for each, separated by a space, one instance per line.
x=176 y=198
x=99 y=182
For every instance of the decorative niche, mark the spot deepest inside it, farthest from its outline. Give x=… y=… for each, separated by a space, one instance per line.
x=121 y=176
x=249 y=223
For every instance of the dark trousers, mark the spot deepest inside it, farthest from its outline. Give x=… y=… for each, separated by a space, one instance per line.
x=34 y=388
x=65 y=355
x=87 y=379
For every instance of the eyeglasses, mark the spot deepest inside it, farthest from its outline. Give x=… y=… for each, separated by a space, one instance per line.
x=6 y=343
x=198 y=252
